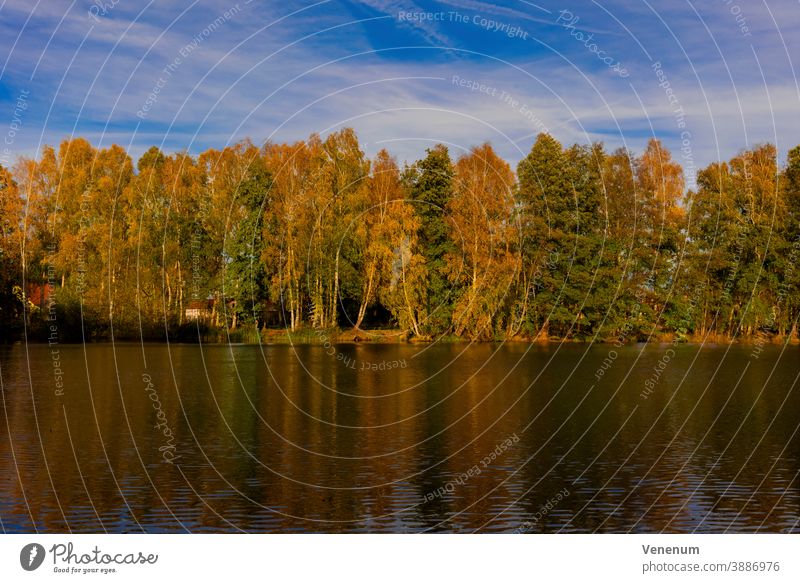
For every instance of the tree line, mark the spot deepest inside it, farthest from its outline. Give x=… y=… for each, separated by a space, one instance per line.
x=579 y=243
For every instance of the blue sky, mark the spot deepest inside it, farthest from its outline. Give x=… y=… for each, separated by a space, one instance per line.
x=405 y=74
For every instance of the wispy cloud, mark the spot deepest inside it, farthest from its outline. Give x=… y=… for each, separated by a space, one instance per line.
x=284 y=70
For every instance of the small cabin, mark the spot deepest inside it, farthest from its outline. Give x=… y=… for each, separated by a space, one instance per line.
x=200 y=309
x=39 y=294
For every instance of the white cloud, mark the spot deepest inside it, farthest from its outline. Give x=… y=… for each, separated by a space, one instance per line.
x=406 y=98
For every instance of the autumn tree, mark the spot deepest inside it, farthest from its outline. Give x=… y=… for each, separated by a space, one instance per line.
x=347 y=169
x=484 y=234
x=296 y=170
x=583 y=244
x=381 y=231
x=144 y=208
x=623 y=244
x=658 y=240
x=11 y=244
x=736 y=214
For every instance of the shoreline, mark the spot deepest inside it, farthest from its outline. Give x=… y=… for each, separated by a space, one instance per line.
x=312 y=337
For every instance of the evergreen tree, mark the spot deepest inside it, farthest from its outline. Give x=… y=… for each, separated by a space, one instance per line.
x=432 y=190
x=548 y=220
x=593 y=282
x=246 y=282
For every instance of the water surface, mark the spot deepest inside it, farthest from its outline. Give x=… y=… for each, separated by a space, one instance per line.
x=399 y=438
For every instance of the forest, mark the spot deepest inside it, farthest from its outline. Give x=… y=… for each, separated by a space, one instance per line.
x=247 y=242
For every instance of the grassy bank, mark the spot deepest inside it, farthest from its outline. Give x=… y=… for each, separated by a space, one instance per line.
x=308 y=336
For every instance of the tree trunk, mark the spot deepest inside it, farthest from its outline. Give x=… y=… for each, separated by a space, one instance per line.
x=524 y=313
x=180 y=293
x=335 y=296
x=544 y=333
x=169 y=290
x=294 y=299
x=367 y=296
x=411 y=313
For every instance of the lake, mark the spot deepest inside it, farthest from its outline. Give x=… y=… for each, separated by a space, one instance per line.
x=399 y=438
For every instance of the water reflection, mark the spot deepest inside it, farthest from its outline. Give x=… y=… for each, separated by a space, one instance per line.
x=306 y=439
